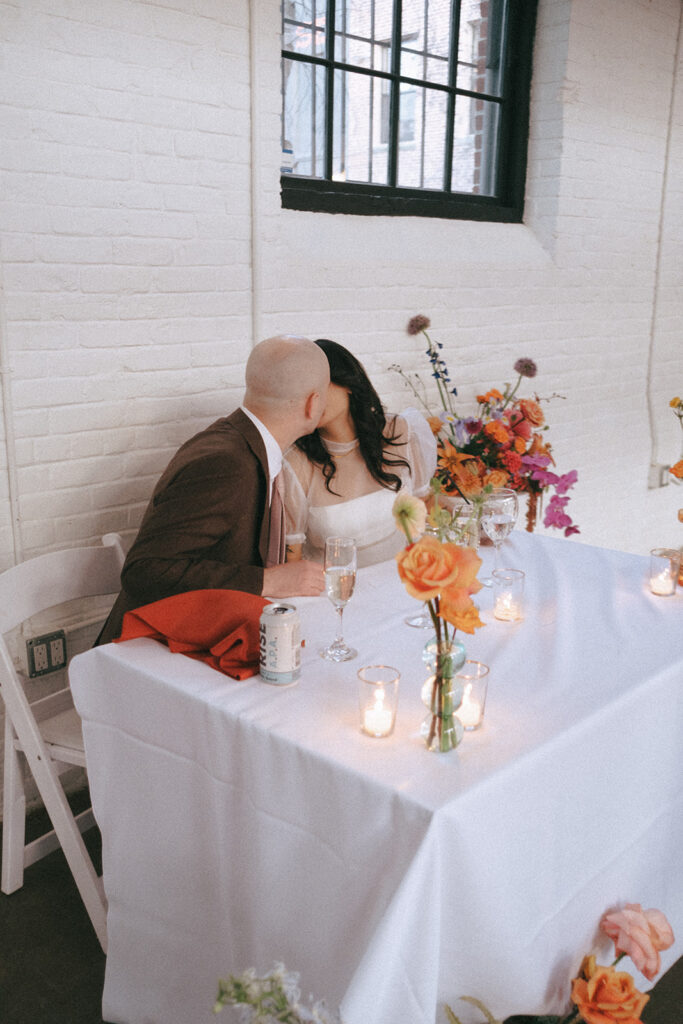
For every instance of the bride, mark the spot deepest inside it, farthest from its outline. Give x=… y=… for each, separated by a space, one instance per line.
x=342 y=479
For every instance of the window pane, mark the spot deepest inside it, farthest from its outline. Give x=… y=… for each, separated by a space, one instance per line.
x=303 y=26
x=421 y=161
x=304 y=117
x=475 y=146
x=359 y=154
x=361 y=27
x=425 y=37
x=480 y=48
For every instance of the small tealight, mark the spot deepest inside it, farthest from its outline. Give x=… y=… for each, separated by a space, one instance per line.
x=473 y=677
x=508 y=594
x=377 y=699
x=664 y=568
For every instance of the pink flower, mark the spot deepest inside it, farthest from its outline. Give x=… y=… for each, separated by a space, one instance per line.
x=640 y=934
x=566 y=481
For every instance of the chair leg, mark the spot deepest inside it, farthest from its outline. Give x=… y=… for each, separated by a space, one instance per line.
x=86 y=878
x=13 y=816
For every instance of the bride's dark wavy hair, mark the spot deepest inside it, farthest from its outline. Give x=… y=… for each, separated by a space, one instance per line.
x=368 y=416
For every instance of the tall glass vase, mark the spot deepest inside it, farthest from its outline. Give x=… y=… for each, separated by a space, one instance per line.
x=441 y=692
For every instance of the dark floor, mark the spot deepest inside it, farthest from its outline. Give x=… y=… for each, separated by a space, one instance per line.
x=52 y=967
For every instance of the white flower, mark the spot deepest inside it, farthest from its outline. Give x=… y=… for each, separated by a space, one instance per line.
x=410 y=514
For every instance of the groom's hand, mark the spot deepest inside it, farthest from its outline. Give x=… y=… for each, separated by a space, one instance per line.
x=293 y=579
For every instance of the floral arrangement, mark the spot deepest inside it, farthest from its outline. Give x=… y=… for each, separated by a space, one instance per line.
x=444 y=576
x=603 y=995
x=677 y=405
x=502 y=445
x=270 y=998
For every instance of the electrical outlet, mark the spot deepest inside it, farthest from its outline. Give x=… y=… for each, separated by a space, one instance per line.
x=46 y=653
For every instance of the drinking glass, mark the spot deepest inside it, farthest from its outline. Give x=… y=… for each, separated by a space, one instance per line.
x=498 y=517
x=340 y=579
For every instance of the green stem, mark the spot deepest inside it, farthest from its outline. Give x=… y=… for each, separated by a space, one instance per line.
x=444 y=395
x=508 y=398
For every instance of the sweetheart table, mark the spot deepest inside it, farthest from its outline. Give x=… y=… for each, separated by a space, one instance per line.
x=244 y=823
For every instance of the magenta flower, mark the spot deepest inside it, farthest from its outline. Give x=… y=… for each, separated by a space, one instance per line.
x=565 y=482
x=525 y=367
x=418 y=323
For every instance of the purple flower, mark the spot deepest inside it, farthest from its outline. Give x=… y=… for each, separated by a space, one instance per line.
x=524 y=367
x=418 y=323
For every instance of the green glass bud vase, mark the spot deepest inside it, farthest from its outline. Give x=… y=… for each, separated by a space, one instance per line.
x=442 y=693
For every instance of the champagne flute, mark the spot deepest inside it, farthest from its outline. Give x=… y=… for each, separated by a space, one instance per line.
x=498 y=517
x=340 y=579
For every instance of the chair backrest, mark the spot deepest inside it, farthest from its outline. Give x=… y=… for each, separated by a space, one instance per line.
x=59 y=576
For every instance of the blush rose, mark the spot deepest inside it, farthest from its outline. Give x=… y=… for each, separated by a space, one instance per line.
x=639 y=934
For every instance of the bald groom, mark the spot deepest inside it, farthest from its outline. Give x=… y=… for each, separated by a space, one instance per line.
x=207 y=524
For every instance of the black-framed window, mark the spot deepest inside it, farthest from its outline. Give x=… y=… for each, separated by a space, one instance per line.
x=406 y=107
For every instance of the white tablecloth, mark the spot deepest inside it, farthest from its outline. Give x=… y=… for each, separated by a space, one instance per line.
x=244 y=823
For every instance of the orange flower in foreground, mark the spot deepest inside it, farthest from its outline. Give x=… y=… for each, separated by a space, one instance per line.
x=677 y=470
x=532 y=412
x=497 y=430
x=605 y=996
x=466 y=470
x=539 y=447
x=457 y=608
x=429 y=568
x=497 y=478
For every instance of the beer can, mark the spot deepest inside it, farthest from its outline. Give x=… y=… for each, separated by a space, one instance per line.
x=280 y=644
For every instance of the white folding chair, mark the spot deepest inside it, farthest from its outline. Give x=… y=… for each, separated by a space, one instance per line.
x=48 y=732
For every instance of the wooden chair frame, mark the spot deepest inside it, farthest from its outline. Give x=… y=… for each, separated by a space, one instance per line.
x=48 y=732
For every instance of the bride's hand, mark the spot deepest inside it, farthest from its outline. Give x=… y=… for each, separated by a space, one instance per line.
x=294 y=579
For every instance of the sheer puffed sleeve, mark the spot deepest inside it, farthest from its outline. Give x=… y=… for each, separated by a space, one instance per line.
x=296 y=470
x=420 y=451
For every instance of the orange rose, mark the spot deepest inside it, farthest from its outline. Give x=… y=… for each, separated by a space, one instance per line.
x=519 y=445
x=456 y=607
x=497 y=430
x=497 y=478
x=677 y=470
x=605 y=996
x=435 y=424
x=428 y=568
x=532 y=412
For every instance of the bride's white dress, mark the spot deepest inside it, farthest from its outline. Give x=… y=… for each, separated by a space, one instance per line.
x=361 y=508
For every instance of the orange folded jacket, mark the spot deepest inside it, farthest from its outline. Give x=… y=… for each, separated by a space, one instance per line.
x=219 y=627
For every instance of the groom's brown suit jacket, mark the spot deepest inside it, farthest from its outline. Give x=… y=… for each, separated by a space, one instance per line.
x=206 y=525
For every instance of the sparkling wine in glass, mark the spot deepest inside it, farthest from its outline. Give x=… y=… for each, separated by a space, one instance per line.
x=340 y=579
x=498 y=517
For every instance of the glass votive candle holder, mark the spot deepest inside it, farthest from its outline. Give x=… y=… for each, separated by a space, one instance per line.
x=508 y=594
x=665 y=564
x=473 y=677
x=377 y=699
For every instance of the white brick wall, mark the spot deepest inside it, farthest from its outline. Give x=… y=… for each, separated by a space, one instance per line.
x=134 y=268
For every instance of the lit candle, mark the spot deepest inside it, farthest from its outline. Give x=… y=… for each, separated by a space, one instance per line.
x=506 y=607
x=662 y=583
x=377 y=719
x=469 y=711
